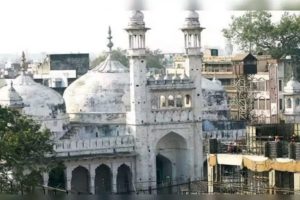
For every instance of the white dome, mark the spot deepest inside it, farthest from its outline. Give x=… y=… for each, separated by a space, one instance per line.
x=192 y=15
x=216 y=81
x=191 y=20
x=292 y=86
x=105 y=89
x=136 y=18
x=9 y=97
x=39 y=100
x=211 y=85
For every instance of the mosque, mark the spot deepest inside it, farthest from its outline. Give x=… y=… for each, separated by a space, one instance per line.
x=119 y=130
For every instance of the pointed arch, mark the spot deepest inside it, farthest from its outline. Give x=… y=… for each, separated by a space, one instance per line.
x=103 y=179
x=80 y=180
x=124 y=179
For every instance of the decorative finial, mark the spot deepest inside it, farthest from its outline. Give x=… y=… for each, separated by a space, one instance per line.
x=110 y=44
x=23 y=62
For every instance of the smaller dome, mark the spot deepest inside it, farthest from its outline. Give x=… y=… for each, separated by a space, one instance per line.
x=167 y=77
x=183 y=76
x=158 y=77
x=191 y=20
x=110 y=66
x=211 y=85
x=292 y=86
x=192 y=15
x=151 y=78
x=10 y=97
x=136 y=18
x=217 y=81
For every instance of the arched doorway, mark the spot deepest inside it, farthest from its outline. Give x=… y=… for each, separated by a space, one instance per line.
x=103 y=180
x=163 y=170
x=124 y=179
x=57 y=177
x=172 y=159
x=80 y=180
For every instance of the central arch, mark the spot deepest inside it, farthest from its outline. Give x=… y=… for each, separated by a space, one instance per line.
x=171 y=159
x=124 y=179
x=163 y=170
x=80 y=180
x=103 y=180
x=57 y=177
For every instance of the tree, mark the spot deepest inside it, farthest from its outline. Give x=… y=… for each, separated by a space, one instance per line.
x=23 y=151
x=255 y=32
x=154 y=58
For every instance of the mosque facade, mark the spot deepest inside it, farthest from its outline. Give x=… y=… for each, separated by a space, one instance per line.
x=118 y=130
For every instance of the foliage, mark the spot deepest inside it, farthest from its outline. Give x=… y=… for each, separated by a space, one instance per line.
x=154 y=58
x=23 y=150
x=255 y=32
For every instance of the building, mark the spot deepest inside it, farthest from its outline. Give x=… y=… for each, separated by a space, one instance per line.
x=267 y=164
x=60 y=70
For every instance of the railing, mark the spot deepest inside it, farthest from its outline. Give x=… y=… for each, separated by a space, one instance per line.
x=106 y=145
x=112 y=118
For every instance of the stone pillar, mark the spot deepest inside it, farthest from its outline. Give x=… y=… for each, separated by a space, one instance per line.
x=45 y=179
x=92 y=179
x=69 y=177
x=272 y=181
x=297 y=183
x=210 y=178
x=114 y=177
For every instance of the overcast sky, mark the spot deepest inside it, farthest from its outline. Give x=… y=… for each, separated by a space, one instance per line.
x=64 y=26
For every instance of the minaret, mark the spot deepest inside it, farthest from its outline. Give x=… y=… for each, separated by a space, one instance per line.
x=192 y=43
x=137 y=61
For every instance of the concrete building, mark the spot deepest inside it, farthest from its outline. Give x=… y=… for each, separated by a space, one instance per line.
x=60 y=70
x=262 y=166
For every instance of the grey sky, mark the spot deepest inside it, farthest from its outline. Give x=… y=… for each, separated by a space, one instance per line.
x=81 y=25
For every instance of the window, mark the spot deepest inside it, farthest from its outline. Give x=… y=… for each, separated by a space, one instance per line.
x=280 y=85
x=178 y=101
x=162 y=101
x=280 y=104
x=255 y=104
x=262 y=104
x=171 y=101
x=297 y=102
x=187 y=101
x=289 y=103
x=268 y=104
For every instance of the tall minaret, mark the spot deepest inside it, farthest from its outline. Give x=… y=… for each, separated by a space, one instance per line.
x=137 y=53
x=192 y=43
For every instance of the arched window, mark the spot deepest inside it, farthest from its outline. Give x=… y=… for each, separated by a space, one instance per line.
x=297 y=102
x=171 y=101
x=289 y=103
x=178 y=101
x=187 y=101
x=162 y=101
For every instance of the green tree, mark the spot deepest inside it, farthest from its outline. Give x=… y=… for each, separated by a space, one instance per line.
x=154 y=58
x=255 y=32
x=23 y=151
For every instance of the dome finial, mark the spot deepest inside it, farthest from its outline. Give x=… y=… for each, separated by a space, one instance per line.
x=23 y=62
x=110 y=44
